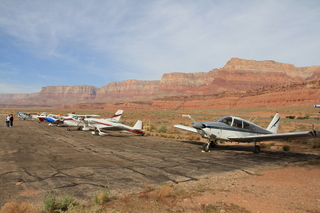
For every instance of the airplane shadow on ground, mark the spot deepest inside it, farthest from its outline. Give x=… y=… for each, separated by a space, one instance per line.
x=249 y=149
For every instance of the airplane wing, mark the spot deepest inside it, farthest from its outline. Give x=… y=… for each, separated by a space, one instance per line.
x=88 y=116
x=191 y=129
x=278 y=136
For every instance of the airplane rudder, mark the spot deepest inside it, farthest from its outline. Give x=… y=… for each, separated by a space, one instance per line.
x=138 y=125
x=274 y=124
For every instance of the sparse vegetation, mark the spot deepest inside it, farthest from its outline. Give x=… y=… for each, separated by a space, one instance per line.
x=14 y=207
x=286 y=148
x=51 y=204
x=291 y=117
x=102 y=197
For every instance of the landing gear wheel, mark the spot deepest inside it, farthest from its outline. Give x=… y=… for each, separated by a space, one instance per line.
x=80 y=127
x=206 y=147
x=256 y=149
x=213 y=144
x=68 y=129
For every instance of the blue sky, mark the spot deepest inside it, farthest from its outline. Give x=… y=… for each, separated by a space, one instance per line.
x=81 y=42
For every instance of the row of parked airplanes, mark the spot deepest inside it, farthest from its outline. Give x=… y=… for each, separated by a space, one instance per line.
x=228 y=128
x=84 y=122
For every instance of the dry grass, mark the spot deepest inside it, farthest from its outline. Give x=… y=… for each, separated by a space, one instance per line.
x=14 y=207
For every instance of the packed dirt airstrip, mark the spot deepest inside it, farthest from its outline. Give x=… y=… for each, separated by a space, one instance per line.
x=37 y=159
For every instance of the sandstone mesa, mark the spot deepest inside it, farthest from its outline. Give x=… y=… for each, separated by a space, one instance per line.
x=234 y=85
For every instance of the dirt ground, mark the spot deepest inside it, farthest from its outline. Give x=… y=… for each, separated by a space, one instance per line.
x=36 y=159
x=282 y=189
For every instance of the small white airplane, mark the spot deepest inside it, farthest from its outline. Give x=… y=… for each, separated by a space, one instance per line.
x=236 y=129
x=79 y=121
x=113 y=124
x=25 y=115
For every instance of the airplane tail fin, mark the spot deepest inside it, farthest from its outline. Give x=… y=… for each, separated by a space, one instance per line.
x=274 y=124
x=116 y=117
x=138 y=125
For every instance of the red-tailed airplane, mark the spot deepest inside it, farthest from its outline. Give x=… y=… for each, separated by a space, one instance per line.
x=113 y=124
x=236 y=129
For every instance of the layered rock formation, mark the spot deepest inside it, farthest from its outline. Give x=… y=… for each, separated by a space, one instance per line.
x=80 y=92
x=128 y=89
x=236 y=75
x=297 y=93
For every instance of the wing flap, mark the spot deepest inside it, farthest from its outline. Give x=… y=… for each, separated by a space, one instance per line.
x=278 y=136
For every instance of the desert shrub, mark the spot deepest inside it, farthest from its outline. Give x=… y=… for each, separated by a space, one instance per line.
x=286 y=148
x=49 y=202
x=193 y=137
x=163 y=129
x=162 y=192
x=316 y=144
x=52 y=204
x=291 y=117
x=14 y=207
x=266 y=145
x=84 y=209
x=102 y=197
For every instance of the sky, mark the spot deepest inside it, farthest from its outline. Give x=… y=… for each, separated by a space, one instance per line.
x=81 y=42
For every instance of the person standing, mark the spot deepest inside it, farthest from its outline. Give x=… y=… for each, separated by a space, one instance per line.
x=8 y=120
x=11 y=120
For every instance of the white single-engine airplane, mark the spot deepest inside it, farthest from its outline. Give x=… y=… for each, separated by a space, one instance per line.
x=236 y=129
x=113 y=124
x=78 y=121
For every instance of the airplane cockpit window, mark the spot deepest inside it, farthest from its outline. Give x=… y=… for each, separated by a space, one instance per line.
x=246 y=125
x=237 y=123
x=226 y=120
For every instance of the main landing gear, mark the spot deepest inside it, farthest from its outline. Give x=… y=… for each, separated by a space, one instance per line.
x=210 y=144
x=256 y=148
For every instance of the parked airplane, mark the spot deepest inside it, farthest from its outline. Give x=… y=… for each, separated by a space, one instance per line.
x=25 y=115
x=113 y=124
x=56 y=119
x=235 y=129
x=41 y=117
x=78 y=121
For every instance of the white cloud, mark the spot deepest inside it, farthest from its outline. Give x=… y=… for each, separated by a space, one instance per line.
x=141 y=39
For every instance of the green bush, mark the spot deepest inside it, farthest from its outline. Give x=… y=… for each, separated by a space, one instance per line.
x=52 y=204
x=291 y=117
x=286 y=148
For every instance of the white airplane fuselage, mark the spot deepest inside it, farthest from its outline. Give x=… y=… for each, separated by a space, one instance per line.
x=233 y=127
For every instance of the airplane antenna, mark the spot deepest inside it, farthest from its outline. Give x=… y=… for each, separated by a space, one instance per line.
x=191 y=118
x=253 y=119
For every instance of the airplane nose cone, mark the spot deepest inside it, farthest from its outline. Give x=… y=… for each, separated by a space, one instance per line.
x=199 y=126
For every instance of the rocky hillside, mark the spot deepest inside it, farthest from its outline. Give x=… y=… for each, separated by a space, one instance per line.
x=237 y=75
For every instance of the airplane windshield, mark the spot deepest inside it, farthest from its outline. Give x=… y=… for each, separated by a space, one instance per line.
x=226 y=120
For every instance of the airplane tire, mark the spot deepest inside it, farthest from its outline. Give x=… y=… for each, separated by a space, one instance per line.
x=256 y=149
x=68 y=129
x=206 y=147
x=80 y=128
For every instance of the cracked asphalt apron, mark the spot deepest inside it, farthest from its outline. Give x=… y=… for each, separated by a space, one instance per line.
x=37 y=159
